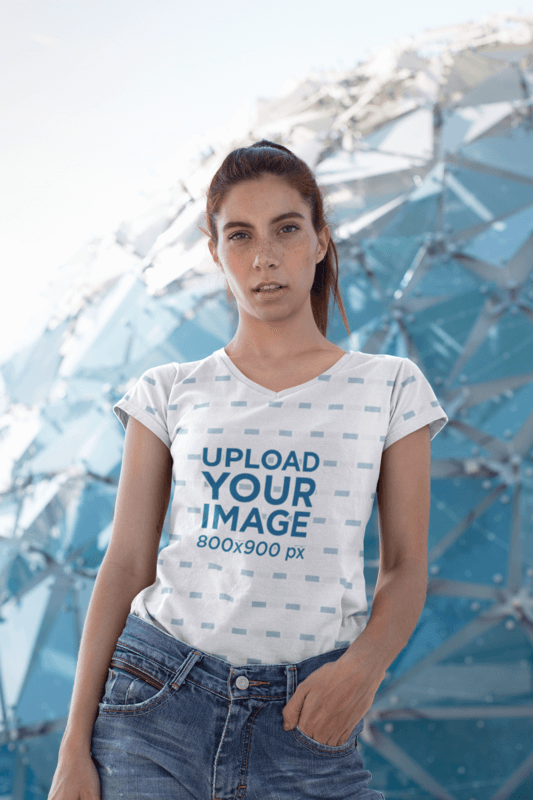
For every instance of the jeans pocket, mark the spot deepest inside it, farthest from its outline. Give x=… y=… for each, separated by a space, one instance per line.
x=131 y=687
x=319 y=748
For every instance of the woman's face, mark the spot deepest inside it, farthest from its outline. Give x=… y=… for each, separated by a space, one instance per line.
x=256 y=248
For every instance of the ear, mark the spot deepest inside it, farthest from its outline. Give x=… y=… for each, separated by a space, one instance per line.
x=323 y=242
x=213 y=251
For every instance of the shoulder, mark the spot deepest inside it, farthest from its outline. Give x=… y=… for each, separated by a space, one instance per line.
x=386 y=364
x=164 y=373
x=400 y=366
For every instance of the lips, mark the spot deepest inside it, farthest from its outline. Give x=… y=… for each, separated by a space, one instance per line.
x=271 y=294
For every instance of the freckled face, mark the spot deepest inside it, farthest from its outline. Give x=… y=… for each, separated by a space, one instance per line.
x=284 y=251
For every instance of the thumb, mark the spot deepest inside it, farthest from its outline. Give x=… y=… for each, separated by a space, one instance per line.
x=291 y=712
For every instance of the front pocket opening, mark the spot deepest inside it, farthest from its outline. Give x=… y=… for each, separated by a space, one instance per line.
x=314 y=741
x=136 y=671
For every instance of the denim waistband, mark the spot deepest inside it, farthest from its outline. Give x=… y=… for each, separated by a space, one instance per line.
x=166 y=656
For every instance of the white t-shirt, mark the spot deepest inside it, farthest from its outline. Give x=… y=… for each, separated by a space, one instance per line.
x=273 y=492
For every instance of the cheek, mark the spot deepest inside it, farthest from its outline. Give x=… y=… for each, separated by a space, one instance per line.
x=303 y=251
x=238 y=264
x=231 y=259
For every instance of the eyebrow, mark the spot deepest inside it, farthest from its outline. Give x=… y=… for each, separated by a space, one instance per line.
x=272 y=221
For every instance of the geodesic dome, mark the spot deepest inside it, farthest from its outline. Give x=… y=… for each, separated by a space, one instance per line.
x=425 y=155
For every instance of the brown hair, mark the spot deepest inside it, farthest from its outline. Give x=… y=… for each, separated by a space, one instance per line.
x=247 y=163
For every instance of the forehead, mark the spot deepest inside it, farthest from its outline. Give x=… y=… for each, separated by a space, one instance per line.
x=268 y=192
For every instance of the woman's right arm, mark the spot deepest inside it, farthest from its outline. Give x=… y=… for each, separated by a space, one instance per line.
x=128 y=566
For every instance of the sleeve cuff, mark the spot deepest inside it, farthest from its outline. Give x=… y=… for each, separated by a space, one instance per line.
x=435 y=425
x=125 y=408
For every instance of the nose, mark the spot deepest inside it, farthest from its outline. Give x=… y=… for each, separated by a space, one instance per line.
x=265 y=256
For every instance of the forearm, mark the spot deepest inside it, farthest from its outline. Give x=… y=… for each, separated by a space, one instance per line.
x=114 y=589
x=398 y=601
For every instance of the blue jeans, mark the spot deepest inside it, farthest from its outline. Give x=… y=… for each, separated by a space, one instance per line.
x=176 y=722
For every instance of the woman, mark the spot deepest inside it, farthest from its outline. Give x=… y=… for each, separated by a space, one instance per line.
x=238 y=663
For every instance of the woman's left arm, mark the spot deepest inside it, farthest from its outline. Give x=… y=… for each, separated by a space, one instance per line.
x=330 y=702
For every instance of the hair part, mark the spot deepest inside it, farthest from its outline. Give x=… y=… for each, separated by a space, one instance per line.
x=265 y=157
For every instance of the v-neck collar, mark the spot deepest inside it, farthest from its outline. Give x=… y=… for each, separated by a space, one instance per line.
x=221 y=353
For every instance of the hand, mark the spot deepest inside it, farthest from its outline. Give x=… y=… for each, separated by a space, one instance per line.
x=75 y=777
x=330 y=702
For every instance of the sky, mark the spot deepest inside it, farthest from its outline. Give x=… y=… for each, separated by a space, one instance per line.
x=98 y=96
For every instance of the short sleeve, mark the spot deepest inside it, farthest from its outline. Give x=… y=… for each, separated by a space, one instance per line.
x=413 y=404
x=147 y=401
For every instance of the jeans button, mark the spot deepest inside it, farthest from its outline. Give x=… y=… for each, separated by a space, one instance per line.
x=242 y=682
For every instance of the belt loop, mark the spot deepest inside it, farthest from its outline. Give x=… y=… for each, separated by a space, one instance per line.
x=292 y=680
x=186 y=667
